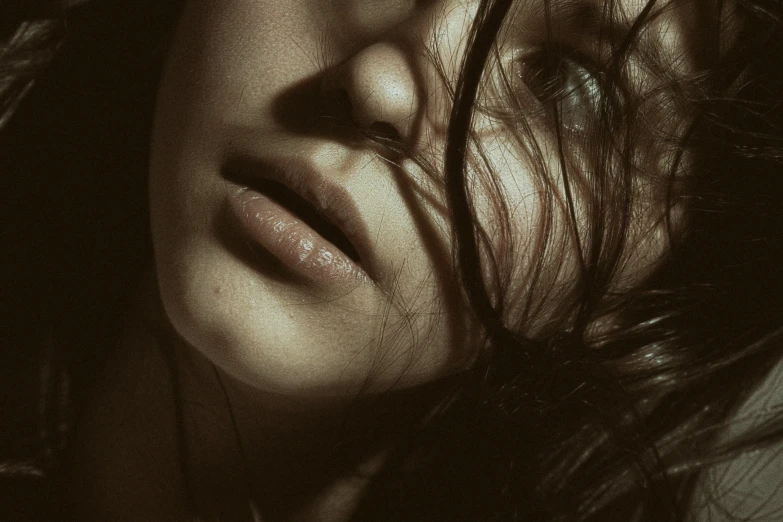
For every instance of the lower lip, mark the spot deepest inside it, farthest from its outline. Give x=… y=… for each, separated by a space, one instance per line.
x=291 y=241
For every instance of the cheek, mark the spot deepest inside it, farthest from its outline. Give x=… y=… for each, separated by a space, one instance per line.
x=230 y=59
x=528 y=226
x=537 y=248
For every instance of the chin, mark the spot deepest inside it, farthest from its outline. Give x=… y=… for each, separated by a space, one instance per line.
x=285 y=338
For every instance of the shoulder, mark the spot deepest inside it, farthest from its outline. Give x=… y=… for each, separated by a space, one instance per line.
x=748 y=487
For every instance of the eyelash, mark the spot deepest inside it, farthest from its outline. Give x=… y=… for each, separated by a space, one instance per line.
x=553 y=73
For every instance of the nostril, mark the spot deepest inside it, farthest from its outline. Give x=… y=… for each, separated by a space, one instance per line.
x=375 y=91
x=344 y=102
x=385 y=131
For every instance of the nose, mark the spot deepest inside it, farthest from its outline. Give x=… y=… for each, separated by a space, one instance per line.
x=377 y=87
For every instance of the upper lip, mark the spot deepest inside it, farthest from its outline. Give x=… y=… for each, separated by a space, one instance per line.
x=330 y=199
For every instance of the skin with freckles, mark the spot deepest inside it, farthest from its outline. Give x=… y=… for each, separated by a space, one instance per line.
x=269 y=328
x=305 y=266
x=284 y=87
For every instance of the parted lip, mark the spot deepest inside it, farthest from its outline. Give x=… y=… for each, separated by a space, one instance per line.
x=327 y=197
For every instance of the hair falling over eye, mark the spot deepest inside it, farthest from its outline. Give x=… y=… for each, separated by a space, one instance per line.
x=604 y=408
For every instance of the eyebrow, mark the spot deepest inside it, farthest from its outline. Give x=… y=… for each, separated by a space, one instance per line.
x=587 y=18
x=587 y=24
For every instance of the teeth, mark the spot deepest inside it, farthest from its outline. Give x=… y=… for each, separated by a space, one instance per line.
x=307 y=213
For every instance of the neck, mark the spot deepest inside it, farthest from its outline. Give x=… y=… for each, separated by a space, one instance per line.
x=208 y=440
x=301 y=457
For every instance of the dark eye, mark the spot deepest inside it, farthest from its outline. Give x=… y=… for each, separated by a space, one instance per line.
x=552 y=75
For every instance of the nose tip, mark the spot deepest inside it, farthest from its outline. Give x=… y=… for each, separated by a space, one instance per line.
x=377 y=87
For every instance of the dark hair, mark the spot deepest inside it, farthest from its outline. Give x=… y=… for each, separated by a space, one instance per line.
x=618 y=423
x=77 y=87
x=610 y=411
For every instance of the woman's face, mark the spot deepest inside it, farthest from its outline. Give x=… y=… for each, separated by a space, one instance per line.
x=297 y=255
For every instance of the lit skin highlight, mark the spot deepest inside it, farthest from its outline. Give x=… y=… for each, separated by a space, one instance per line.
x=261 y=79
